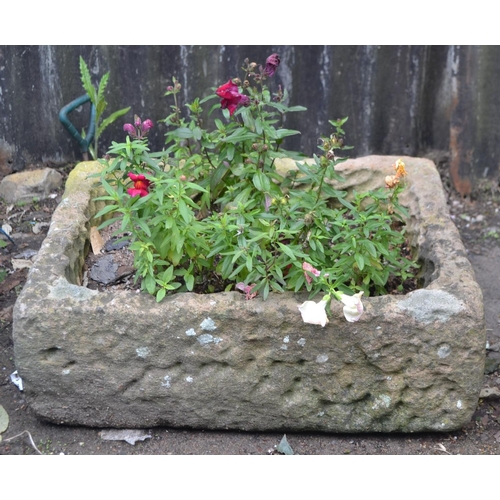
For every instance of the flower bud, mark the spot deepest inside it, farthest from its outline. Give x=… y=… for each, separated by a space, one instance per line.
x=137 y=121
x=130 y=129
x=148 y=124
x=236 y=81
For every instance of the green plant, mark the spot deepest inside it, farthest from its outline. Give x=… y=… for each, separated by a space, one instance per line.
x=97 y=98
x=492 y=233
x=213 y=212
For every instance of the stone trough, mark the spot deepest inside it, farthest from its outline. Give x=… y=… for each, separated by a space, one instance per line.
x=118 y=359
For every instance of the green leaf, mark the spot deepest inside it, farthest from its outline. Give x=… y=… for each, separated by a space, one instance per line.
x=189 y=279
x=283 y=132
x=105 y=210
x=197 y=133
x=248 y=120
x=111 y=118
x=346 y=204
x=218 y=175
x=284 y=109
x=360 y=261
x=287 y=250
x=261 y=182
x=150 y=284
x=102 y=87
x=183 y=133
x=249 y=262
x=240 y=134
x=86 y=80
x=185 y=212
x=265 y=292
x=144 y=226
x=161 y=294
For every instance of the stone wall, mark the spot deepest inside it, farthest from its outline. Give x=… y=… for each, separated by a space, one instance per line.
x=401 y=100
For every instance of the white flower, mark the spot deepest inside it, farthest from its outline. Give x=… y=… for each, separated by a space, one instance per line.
x=314 y=313
x=353 y=307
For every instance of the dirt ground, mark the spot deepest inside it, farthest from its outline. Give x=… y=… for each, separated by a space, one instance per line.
x=478 y=220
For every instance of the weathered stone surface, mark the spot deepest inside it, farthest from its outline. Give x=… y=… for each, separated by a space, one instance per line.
x=30 y=184
x=412 y=363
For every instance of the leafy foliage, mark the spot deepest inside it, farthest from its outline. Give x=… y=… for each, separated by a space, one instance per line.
x=218 y=211
x=98 y=100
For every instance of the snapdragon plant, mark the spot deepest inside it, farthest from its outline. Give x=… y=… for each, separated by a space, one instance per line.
x=212 y=211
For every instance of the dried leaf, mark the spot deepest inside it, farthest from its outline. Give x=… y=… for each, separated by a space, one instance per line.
x=442 y=448
x=7 y=228
x=128 y=435
x=17 y=380
x=21 y=263
x=96 y=240
x=4 y=420
x=284 y=447
x=489 y=391
x=14 y=279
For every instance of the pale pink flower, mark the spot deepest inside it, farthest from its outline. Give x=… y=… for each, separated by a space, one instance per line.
x=353 y=307
x=310 y=269
x=246 y=289
x=314 y=313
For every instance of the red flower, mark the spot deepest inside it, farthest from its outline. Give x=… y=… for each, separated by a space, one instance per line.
x=231 y=98
x=141 y=185
x=272 y=63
